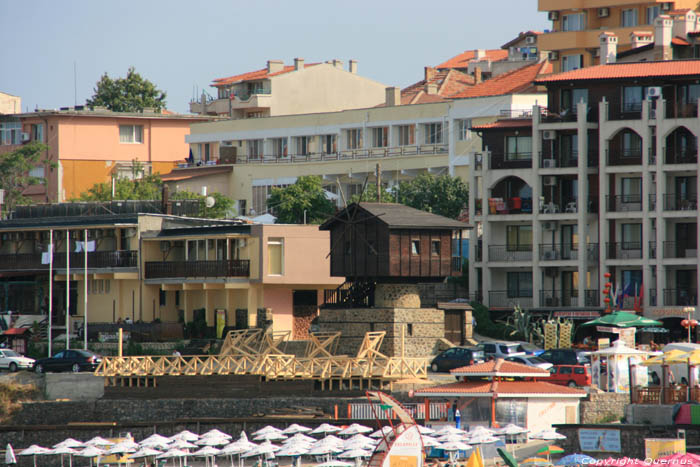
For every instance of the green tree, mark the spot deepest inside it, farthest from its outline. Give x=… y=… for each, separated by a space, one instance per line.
x=15 y=167
x=370 y=195
x=307 y=194
x=146 y=188
x=130 y=94
x=222 y=208
x=444 y=195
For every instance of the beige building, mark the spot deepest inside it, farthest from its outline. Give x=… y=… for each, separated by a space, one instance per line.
x=577 y=24
x=10 y=104
x=280 y=89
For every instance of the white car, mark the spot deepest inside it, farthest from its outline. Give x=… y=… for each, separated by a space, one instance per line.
x=13 y=361
x=531 y=360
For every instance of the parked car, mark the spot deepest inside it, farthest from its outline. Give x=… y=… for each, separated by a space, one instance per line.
x=531 y=360
x=13 y=361
x=565 y=357
x=69 y=360
x=456 y=357
x=570 y=375
x=502 y=349
x=531 y=349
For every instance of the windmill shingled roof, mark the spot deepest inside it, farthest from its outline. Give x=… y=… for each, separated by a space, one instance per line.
x=399 y=216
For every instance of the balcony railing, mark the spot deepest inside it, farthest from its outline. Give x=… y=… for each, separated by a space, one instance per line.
x=506 y=161
x=557 y=252
x=626 y=111
x=510 y=206
x=680 y=297
x=681 y=110
x=625 y=156
x=624 y=250
x=591 y=297
x=680 y=203
x=181 y=269
x=558 y=298
x=652 y=249
x=568 y=206
x=510 y=252
x=652 y=297
x=348 y=154
x=652 y=202
x=96 y=260
x=509 y=299
x=680 y=250
x=681 y=155
x=479 y=252
x=624 y=203
x=548 y=161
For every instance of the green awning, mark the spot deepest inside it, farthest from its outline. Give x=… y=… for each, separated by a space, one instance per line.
x=622 y=319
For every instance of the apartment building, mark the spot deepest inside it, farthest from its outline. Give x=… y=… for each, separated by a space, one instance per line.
x=577 y=24
x=603 y=179
x=150 y=261
x=280 y=89
x=94 y=146
x=10 y=104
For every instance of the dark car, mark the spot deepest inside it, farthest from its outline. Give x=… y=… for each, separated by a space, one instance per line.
x=69 y=360
x=564 y=357
x=456 y=357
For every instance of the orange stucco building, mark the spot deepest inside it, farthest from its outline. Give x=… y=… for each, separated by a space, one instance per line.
x=94 y=146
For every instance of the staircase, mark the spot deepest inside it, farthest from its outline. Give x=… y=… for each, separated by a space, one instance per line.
x=350 y=294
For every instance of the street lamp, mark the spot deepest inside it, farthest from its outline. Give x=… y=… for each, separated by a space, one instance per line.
x=688 y=323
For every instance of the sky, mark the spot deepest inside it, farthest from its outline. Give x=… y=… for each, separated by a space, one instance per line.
x=55 y=51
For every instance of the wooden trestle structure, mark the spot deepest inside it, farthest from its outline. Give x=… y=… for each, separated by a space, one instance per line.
x=254 y=352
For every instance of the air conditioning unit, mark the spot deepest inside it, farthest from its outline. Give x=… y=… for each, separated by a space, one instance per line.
x=550 y=181
x=530 y=40
x=553 y=15
x=549 y=225
x=549 y=255
x=549 y=134
x=603 y=12
x=549 y=163
x=666 y=6
x=25 y=137
x=554 y=55
x=654 y=91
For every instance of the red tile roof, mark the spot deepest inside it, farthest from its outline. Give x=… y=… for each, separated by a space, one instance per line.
x=448 y=82
x=500 y=367
x=520 y=37
x=518 y=80
x=502 y=389
x=641 y=33
x=16 y=331
x=255 y=75
x=679 y=41
x=515 y=123
x=462 y=60
x=628 y=71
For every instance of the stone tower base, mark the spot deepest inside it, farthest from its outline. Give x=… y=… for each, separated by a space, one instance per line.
x=424 y=327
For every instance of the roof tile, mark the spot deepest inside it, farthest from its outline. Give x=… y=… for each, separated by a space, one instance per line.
x=518 y=80
x=501 y=367
x=628 y=71
x=501 y=388
x=255 y=75
x=462 y=60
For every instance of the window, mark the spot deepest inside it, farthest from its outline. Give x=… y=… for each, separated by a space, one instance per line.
x=380 y=137
x=302 y=143
x=38 y=132
x=631 y=236
x=573 y=22
x=633 y=278
x=631 y=144
x=652 y=13
x=131 y=134
x=279 y=147
x=177 y=298
x=571 y=62
x=354 y=138
x=518 y=148
x=629 y=18
x=254 y=148
x=632 y=97
x=275 y=256
x=10 y=133
x=435 y=247
x=329 y=144
x=37 y=172
x=571 y=97
x=161 y=297
x=519 y=284
x=565 y=370
x=260 y=195
x=407 y=135
x=433 y=133
x=519 y=238
x=415 y=247
x=463 y=130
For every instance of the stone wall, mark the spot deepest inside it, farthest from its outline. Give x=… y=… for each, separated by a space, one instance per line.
x=424 y=327
x=397 y=296
x=603 y=407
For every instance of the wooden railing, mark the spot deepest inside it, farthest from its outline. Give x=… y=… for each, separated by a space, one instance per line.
x=646 y=395
x=96 y=259
x=222 y=268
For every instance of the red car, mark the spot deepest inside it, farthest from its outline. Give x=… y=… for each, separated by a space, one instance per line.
x=570 y=375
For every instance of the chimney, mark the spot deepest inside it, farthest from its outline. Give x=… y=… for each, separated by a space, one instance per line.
x=663 y=33
x=608 y=48
x=393 y=96
x=298 y=64
x=353 y=66
x=684 y=23
x=477 y=75
x=639 y=40
x=429 y=73
x=337 y=63
x=275 y=66
x=430 y=88
x=479 y=54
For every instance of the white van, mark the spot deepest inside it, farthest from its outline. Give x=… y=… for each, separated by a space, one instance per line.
x=679 y=371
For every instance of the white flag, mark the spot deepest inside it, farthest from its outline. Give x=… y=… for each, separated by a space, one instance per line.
x=46 y=255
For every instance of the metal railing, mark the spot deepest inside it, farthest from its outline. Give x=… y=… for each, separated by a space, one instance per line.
x=510 y=253
x=626 y=156
x=509 y=299
x=652 y=202
x=652 y=296
x=220 y=268
x=348 y=154
x=625 y=111
x=681 y=297
x=680 y=156
x=673 y=202
x=681 y=109
x=96 y=260
x=624 y=203
x=556 y=252
x=591 y=297
x=548 y=161
x=624 y=250
x=680 y=250
x=652 y=249
x=506 y=161
x=558 y=298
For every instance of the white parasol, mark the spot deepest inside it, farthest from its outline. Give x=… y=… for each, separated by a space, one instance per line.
x=295 y=428
x=355 y=429
x=325 y=428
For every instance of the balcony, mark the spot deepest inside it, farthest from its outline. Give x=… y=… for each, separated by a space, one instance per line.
x=624 y=250
x=624 y=203
x=652 y=249
x=505 y=161
x=510 y=206
x=548 y=207
x=565 y=252
x=183 y=269
x=508 y=299
x=681 y=110
x=680 y=297
x=96 y=260
x=680 y=155
x=567 y=298
x=591 y=297
x=549 y=162
x=479 y=252
x=626 y=111
x=652 y=202
x=210 y=107
x=652 y=297
x=348 y=154
x=510 y=253
x=680 y=250
x=680 y=203
x=624 y=156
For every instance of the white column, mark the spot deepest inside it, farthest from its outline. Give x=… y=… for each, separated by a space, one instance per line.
x=662 y=281
x=536 y=225
x=582 y=201
x=604 y=190
x=647 y=170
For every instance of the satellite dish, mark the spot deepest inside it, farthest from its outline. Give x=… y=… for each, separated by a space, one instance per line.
x=209 y=201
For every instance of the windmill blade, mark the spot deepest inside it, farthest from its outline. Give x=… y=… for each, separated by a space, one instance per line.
x=340 y=237
x=342 y=195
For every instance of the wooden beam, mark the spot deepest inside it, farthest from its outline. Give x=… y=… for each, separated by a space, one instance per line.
x=213 y=286
x=167 y=287
x=192 y=286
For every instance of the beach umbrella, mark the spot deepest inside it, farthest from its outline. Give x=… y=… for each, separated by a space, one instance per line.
x=323 y=450
x=481 y=431
x=355 y=429
x=292 y=451
x=549 y=450
x=511 y=429
x=385 y=430
x=548 y=435
x=448 y=430
x=91 y=452
x=429 y=442
x=123 y=447
x=531 y=461
x=69 y=443
x=295 y=428
x=98 y=441
x=454 y=446
x=186 y=435
x=144 y=452
x=10 y=455
x=272 y=436
x=212 y=441
x=63 y=450
x=622 y=319
x=424 y=430
x=300 y=438
x=360 y=438
x=181 y=444
x=576 y=459
x=330 y=439
x=34 y=450
x=687 y=458
x=155 y=440
x=335 y=463
x=216 y=433
x=482 y=439
x=452 y=437
x=354 y=454
x=325 y=428
x=206 y=452
x=266 y=430
x=507 y=457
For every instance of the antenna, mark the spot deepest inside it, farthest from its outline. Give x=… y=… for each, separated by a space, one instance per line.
x=75 y=82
